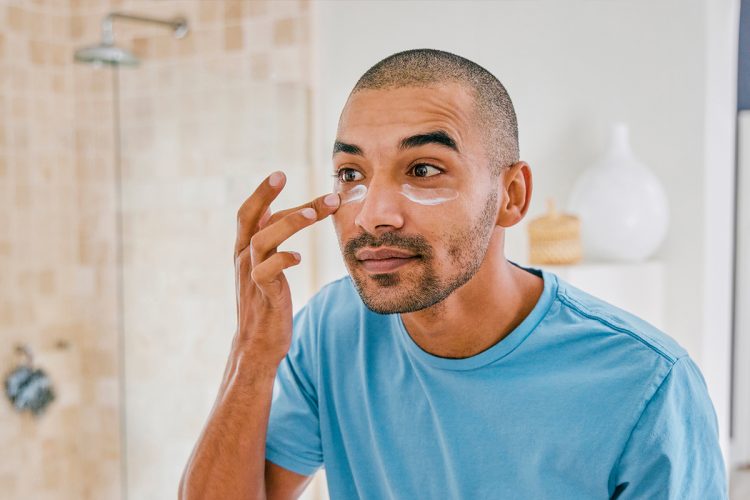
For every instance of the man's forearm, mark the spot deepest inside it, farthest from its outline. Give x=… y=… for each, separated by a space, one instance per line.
x=229 y=459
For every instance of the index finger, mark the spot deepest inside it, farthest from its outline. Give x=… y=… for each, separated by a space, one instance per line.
x=320 y=204
x=255 y=207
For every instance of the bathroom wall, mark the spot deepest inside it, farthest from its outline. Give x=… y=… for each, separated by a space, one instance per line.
x=56 y=261
x=202 y=120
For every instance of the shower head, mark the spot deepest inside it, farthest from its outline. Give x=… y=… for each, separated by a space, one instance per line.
x=105 y=53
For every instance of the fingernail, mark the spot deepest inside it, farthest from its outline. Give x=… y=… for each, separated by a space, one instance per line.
x=331 y=200
x=308 y=213
x=276 y=179
x=295 y=255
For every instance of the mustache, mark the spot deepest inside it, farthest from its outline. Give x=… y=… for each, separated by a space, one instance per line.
x=412 y=243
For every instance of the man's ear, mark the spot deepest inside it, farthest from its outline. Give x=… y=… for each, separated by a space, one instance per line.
x=516 y=186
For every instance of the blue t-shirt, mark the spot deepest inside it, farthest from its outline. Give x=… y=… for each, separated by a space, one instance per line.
x=582 y=400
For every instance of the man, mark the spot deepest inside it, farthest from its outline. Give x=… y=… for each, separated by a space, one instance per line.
x=438 y=368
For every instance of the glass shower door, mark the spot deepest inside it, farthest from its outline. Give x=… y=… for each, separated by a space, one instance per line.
x=202 y=122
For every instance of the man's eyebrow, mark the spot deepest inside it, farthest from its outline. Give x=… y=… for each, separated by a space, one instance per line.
x=434 y=137
x=342 y=147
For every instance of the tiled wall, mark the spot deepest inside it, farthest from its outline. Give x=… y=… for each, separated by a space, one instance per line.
x=56 y=265
x=202 y=121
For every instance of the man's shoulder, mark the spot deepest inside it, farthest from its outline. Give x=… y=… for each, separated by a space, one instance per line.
x=625 y=328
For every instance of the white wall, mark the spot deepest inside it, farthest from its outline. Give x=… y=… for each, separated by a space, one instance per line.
x=722 y=20
x=741 y=441
x=571 y=67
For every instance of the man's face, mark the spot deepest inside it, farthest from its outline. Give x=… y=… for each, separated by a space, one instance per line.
x=429 y=208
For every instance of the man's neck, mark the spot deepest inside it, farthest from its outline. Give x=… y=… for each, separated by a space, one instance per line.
x=479 y=314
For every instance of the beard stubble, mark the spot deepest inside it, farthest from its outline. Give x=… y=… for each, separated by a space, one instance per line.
x=393 y=294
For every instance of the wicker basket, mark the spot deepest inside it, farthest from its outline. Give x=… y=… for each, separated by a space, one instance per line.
x=554 y=238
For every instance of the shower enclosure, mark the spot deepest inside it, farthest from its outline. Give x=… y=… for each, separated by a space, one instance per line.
x=201 y=112
x=107 y=53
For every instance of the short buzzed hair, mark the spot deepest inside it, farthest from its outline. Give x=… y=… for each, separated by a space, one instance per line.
x=426 y=67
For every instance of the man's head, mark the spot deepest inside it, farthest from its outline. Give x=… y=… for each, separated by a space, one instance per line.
x=428 y=142
x=493 y=109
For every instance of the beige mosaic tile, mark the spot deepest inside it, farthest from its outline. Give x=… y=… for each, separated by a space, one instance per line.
x=199 y=127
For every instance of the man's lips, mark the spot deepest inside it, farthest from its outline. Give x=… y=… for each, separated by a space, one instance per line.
x=382 y=253
x=385 y=265
x=383 y=260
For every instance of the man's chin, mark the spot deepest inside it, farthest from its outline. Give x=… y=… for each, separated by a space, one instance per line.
x=382 y=308
x=390 y=293
x=381 y=293
x=382 y=305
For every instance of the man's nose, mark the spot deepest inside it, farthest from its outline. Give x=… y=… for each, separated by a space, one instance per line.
x=380 y=211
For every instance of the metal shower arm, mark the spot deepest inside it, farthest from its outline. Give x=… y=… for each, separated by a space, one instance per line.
x=178 y=24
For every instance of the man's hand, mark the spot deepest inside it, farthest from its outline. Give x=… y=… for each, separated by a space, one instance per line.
x=228 y=460
x=264 y=303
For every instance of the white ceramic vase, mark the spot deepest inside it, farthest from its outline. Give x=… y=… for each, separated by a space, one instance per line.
x=622 y=205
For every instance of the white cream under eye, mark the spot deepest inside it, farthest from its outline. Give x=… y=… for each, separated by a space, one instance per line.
x=355 y=194
x=351 y=192
x=422 y=196
x=428 y=196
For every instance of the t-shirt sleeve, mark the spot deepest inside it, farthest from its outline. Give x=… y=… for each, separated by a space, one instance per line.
x=293 y=436
x=673 y=451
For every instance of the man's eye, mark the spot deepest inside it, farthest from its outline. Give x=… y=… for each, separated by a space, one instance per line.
x=349 y=175
x=421 y=170
x=425 y=170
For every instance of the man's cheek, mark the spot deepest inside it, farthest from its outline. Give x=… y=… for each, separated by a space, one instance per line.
x=342 y=222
